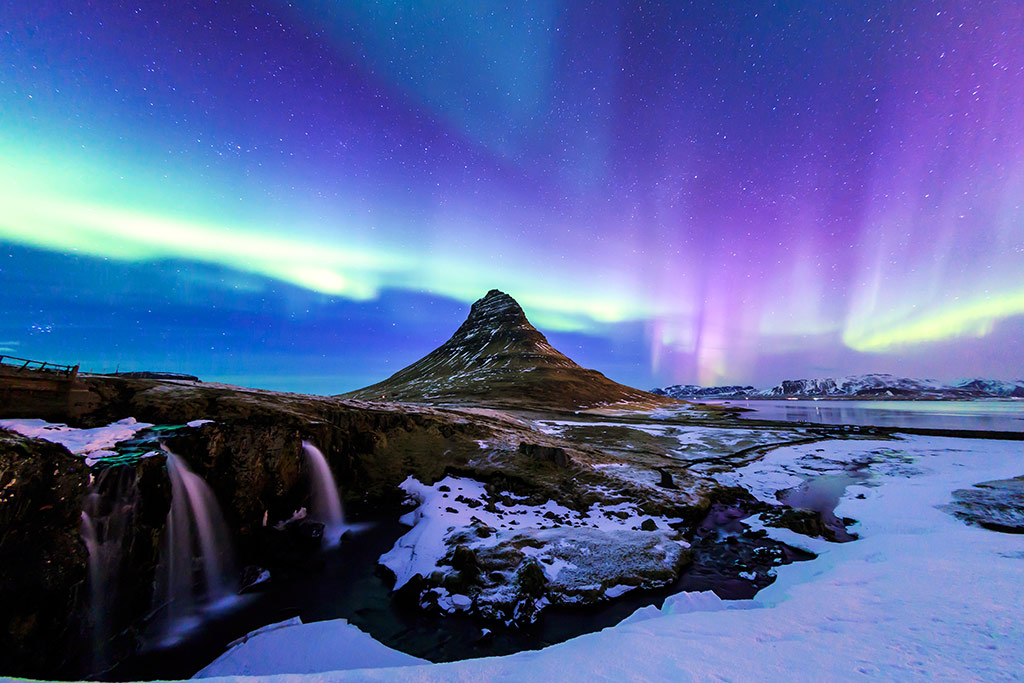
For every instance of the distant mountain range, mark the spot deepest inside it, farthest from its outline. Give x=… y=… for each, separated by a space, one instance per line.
x=498 y=358
x=858 y=386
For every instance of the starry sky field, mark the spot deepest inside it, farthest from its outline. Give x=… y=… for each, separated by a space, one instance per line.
x=307 y=195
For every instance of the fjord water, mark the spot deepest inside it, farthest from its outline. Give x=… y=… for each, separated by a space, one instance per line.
x=994 y=415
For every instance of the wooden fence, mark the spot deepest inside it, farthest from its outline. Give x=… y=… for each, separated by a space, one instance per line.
x=26 y=365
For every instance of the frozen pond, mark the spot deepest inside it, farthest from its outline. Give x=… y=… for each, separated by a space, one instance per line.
x=995 y=415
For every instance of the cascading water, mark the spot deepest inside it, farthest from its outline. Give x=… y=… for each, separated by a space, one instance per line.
x=326 y=507
x=196 y=559
x=108 y=516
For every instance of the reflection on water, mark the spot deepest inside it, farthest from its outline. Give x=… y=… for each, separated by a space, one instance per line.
x=995 y=415
x=822 y=494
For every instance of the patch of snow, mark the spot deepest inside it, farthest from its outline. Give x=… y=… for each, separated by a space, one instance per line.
x=437 y=517
x=552 y=566
x=616 y=591
x=78 y=441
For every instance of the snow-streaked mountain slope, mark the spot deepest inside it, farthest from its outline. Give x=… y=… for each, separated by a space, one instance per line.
x=498 y=357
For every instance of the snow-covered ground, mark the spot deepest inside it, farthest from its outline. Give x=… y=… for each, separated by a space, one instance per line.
x=457 y=511
x=920 y=596
x=94 y=443
x=453 y=503
x=305 y=648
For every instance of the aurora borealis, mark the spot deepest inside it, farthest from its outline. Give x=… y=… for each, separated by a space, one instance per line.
x=307 y=195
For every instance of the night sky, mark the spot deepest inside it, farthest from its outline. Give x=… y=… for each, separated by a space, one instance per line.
x=308 y=195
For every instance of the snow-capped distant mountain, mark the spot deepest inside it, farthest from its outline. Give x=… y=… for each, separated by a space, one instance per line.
x=859 y=386
x=695 y=391
x=890 y=386
x=993 y=387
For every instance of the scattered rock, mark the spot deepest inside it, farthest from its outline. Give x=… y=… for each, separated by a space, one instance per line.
x=666 y=479
x=994 y=505
x=808 y=523
x=253 y=579
x=531 y=579
x=550 y=454
x=464 y=561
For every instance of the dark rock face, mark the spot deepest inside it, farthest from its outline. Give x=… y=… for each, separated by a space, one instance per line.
x=252 y=468
x=497 y=357
x=42 y=556
x=47 y=624
x=252 y=458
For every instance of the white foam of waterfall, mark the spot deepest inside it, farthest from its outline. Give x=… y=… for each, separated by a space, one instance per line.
x=108 y=516
x=196 y=567
x=326 y=504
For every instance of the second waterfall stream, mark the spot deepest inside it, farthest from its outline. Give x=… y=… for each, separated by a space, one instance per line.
x=326 y=504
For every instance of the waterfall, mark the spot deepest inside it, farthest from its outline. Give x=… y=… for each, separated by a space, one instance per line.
x=196 y=559
x=108 y=516
x=98 y=606
x=326 y=507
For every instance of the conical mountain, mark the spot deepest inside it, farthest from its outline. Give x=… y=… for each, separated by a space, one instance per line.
x=497 y=357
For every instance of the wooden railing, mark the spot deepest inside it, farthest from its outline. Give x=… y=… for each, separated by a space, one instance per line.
x=26 y=365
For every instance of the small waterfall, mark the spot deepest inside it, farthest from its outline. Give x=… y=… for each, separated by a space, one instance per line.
x=96 y=591
x=326 y=503
x=196 y=559
x=108 y=516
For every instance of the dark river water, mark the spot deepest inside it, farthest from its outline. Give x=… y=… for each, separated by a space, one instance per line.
x=996 y=415
x=344 y=582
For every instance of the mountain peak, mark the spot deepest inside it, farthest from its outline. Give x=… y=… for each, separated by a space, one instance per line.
x=497 y=356
x=496 y=309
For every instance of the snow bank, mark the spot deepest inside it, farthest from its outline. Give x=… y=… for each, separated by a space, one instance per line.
x=78 y=441
x=291 y=647
x=921 y=595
